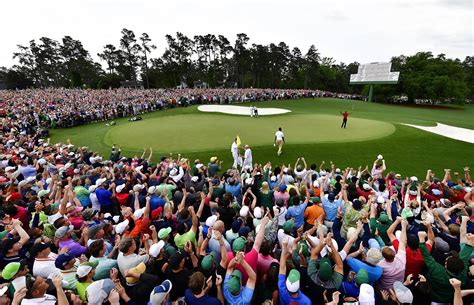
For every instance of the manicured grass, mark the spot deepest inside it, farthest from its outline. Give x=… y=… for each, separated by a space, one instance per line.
x=204 y=132
x=312 y=130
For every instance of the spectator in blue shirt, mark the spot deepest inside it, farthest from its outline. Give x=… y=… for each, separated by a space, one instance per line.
x=104 y=196
x=297 y=210
x=330 y=204
x=289 y=287
x=234 y=187
x=233 y=292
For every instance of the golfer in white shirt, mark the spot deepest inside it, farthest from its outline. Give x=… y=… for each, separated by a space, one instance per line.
x=234 y=149
x=247 y=157
x=279 y=140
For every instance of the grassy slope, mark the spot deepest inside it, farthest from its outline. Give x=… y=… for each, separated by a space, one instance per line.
x=407 y=150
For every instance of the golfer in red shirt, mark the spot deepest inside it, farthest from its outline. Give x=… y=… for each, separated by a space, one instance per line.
x=345 y=114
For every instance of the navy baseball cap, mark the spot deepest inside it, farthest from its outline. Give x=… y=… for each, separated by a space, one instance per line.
x=62 y=260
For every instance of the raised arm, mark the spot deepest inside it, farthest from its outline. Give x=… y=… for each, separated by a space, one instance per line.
x=261 y=234
x=222 y=247
x=254 y=198
x=431 y=235
x=403 y=236
x=297 y=161
x=336 y=258
x=194 y=218
x=429 y=260
x=391 y=229
x=201 y=205
x=467 y=197
x=146 y=213
x=457 y=291
x=463 y=230
x=322 y=186
x=316 y=250
x=24 y=237
x=205 y=242
x=284 y=246
x=150 y=156
x=136 y=202
x=447 y=212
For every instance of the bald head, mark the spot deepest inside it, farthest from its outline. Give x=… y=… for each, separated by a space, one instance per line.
x=219 y=226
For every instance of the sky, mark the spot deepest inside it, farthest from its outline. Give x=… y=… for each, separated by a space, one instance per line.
x=346 y=30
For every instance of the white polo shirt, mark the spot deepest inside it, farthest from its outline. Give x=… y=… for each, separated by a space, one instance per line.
x=279 y=135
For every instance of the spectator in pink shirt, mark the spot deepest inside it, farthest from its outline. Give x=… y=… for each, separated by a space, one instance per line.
x=282 y=194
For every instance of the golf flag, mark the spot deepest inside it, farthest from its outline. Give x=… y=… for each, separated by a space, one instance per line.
x=238 y=140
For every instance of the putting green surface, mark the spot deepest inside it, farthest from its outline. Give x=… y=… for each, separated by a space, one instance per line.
x=201 y=132
x=312 y=130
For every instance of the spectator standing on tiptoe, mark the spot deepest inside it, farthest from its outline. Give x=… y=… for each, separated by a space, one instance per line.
x=279 y=140
x=345 y=115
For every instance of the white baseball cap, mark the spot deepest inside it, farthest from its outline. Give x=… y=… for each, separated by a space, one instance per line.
x=211 y=220
x=155 y=249
x=120 y=228
x=139 y=213
x=120 y=188
x=99 y=182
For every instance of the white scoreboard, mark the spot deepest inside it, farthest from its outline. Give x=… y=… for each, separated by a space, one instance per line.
x=375 y=73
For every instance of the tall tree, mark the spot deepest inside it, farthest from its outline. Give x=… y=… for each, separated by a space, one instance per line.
x=131 y=53
x=241 y=58
x=177 y=57
x=79 y=66
x=110 y=55
x=146 y=48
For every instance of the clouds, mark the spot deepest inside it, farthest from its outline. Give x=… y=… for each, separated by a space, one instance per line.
x=363 y=31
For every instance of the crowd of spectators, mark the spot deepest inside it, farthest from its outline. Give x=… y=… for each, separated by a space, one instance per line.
x=80 y=228
x=55 y=107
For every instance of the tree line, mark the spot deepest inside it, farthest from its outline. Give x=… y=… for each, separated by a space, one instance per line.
x=218 y=62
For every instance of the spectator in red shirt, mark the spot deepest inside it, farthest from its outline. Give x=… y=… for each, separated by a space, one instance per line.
x=414 y=259
x=365 y=191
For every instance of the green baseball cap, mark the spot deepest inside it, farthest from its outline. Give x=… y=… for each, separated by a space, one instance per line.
x=93 y=264
x=303 y=245
x=43 y=193
x=288 y=226
x=163 y=233
x=11 y=269
x=235 y=282
x=406 y=213
x=383 y=218
x=293 y=281
x=239 y=244
x=362 y=277
x=315 y=199
x=206 y=263
x=325 y=270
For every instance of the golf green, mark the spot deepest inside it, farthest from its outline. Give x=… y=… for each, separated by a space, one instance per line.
x=312 y=130
x=202 y=132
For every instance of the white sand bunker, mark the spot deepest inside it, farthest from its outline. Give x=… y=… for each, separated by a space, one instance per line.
x=457 y=133
x=241 y=110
